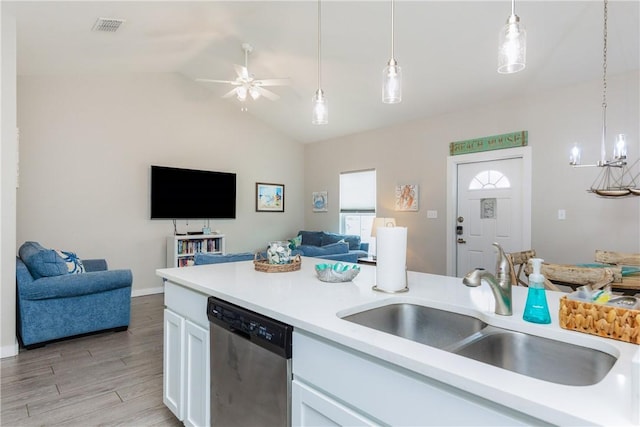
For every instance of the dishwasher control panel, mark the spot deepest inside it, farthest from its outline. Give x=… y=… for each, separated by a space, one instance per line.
x=262 y=330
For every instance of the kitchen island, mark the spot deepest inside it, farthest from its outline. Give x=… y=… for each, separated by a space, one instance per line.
x=407 y=382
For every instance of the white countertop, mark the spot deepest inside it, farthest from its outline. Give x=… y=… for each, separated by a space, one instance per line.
x=301 y=300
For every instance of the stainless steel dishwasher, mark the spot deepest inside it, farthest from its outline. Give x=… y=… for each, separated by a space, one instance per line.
x=250 y=367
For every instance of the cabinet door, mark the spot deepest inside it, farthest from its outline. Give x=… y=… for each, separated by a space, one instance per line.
x=172 y=385
x=197 y=377
x=309 y=407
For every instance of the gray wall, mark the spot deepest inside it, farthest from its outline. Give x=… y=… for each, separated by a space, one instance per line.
x=416 y=152
x=86 y=146
x=8 y=169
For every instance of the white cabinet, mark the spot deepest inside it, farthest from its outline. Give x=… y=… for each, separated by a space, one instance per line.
x=173 y=363
x=310 y=407
x=180 y=249
x=196 y=375
x=335 y=385
x=186 y=379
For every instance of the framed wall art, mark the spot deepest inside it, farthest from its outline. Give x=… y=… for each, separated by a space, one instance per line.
x=407 y=197
x=269 y=197
x=319 y=200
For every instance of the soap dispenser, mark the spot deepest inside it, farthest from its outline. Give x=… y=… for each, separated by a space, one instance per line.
x=536 y=309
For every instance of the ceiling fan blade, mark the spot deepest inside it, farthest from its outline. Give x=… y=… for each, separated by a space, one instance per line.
x=242 y=71
x=229 y=94
x=232 y=82
x=267 y=93
x=273 y=82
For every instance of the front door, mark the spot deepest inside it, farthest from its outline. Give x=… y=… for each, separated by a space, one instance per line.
x=489 y=209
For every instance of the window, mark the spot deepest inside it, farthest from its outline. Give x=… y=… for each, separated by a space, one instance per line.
x=489 y=179
x=358 y=203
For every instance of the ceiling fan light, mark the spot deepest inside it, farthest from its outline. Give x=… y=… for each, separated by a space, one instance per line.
x=320 y=109
x=512 y=47
x=241 y=93
x=254 y=93
x=392 y=83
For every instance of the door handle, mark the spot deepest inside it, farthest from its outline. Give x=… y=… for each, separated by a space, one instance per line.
x=461 y=241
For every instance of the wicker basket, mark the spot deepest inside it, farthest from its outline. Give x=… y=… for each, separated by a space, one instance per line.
x=262 y=264
x=620 y=324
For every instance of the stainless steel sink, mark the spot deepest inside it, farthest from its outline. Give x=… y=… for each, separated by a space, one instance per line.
x=538 y=357
x=426 y=325
x=530 y=355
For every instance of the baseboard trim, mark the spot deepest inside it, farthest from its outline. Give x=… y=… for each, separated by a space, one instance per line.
x=9 y=350
x=147 y=291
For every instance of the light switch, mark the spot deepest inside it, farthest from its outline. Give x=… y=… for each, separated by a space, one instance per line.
x=432 y=214
x=562 y=214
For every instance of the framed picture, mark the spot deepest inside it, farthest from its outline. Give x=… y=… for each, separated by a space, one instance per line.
x=269 y=197
x=407 y=197
x=319 y=200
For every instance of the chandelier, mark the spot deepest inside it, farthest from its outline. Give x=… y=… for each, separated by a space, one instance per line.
x=615 y=178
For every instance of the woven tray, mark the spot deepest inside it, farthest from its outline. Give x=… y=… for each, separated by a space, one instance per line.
x=262 y=264
x=620 y=324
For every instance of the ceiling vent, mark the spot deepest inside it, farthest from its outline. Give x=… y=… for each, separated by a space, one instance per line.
x=108 y=25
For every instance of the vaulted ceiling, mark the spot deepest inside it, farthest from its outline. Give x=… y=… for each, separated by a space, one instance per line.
x=447 y=50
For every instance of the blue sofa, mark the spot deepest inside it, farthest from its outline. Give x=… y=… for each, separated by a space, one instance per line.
x=331 y=246
x=52 y=303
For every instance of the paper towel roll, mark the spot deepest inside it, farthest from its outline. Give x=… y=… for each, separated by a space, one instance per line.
x=391 y=264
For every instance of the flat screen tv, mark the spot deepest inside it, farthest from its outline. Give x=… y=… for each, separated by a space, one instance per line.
x=192 y=194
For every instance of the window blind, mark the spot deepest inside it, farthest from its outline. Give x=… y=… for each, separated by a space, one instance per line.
x=358 y=191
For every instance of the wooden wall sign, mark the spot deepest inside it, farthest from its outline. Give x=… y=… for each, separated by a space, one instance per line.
x=488 y=143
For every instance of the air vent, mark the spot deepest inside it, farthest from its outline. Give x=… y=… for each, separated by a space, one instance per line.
x=108 y=25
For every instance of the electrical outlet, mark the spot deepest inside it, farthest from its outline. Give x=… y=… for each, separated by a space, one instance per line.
x=562 y=214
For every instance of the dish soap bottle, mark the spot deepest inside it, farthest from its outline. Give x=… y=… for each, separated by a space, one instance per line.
x=536 y=309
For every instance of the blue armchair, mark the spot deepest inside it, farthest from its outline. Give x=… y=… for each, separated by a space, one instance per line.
x=54 y=304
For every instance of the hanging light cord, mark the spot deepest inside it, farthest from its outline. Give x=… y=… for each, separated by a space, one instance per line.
x=392 y=30
x=319 y=47
x=604 y=85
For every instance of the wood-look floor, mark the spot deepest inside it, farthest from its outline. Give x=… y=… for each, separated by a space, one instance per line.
x=113 y=378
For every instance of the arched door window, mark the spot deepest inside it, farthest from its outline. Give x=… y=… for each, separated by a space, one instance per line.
x=489 y=179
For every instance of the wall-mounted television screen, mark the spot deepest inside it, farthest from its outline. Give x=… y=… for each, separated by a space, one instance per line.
x=192 y=194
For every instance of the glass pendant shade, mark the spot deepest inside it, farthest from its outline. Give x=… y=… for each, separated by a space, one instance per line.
x=574 y=158
x=392 y=83
x=512 y=48
x=620 y=147
x=320 y=109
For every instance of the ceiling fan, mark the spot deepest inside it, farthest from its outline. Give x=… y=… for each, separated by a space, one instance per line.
x=246 y=84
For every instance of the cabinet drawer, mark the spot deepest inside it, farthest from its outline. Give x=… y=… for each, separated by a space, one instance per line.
x=188 y=303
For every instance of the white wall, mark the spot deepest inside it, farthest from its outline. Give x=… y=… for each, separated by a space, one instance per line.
x=8 y=152
x=86 y=146
x=416 y=152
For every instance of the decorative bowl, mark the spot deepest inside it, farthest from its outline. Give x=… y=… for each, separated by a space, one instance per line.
x=338 y=272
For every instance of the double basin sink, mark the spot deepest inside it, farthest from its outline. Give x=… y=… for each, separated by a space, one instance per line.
x=530 y=355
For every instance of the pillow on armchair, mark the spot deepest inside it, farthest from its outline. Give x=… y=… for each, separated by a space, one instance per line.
x=42 y=262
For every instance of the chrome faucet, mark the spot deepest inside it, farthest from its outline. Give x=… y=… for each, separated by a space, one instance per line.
x=500 y=284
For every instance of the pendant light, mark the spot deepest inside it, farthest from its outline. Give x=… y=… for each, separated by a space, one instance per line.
x=512 y=47
x=320 y=108
x=615 y=179
x=392 y=74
